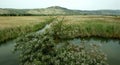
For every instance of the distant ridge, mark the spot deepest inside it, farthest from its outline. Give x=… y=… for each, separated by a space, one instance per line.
x=55 y=10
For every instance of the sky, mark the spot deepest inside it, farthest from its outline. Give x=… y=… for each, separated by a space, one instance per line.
x=70 y=4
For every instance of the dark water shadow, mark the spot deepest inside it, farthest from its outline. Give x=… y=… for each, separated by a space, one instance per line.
x=7 y=57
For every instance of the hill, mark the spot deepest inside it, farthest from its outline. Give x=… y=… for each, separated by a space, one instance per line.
x=55 y=10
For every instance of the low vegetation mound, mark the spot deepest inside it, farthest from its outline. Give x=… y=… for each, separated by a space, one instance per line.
x=45 y=48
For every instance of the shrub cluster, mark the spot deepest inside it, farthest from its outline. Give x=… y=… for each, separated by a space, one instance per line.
x=45 y=49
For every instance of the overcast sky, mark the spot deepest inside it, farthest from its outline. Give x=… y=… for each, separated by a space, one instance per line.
x=71 y=4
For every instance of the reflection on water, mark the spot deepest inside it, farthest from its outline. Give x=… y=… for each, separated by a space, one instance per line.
x=108 y=46
x=7 y=57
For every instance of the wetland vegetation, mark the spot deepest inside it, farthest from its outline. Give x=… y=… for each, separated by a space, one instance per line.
x=59 y=32
x=45 y=49
x=16 y=29
x=50 y=44
x=95 y=27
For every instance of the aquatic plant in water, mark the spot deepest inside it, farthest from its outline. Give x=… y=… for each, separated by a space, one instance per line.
x=44 y=49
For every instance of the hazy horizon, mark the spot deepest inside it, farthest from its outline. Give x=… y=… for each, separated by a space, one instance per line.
x=76 y=4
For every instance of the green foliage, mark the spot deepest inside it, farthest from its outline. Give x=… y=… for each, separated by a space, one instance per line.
x=71 y=54
x=98 y=28
x=44 y=48
x=10 y=33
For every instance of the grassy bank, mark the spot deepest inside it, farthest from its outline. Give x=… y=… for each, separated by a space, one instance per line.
x=13 y=32
x=87 y=27
x=72 y=26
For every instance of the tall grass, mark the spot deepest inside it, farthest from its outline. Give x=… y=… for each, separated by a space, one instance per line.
x=98 y=28
x=13 y=32
x=15 y=21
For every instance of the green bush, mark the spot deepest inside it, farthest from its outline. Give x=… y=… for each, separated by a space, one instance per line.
x=45 y=49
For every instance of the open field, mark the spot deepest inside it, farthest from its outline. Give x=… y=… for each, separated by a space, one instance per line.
x=13 y=21
x=16 y=21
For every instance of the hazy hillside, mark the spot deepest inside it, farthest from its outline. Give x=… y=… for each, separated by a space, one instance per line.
x=56 y=10
x=50 y=10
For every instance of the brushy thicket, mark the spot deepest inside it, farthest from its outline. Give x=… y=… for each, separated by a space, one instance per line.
x=10 y=33
x=45 y=49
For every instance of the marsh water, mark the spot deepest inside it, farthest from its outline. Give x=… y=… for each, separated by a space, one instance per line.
x=111 y=47
x=7 y=57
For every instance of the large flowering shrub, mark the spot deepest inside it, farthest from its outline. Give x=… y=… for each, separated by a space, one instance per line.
x=44 y=48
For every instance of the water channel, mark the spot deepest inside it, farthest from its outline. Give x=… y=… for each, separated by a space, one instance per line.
x=111 y=47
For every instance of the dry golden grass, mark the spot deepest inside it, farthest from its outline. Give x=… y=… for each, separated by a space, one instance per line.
x=83 y=18
x=13 y=21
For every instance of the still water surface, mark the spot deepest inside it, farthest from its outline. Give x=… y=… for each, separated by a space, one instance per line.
x=7 y=57
x=109 y=46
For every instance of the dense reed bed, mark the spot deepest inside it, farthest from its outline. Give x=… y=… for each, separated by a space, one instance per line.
x=73 y=26
x=88 y=28
x=13 y=32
